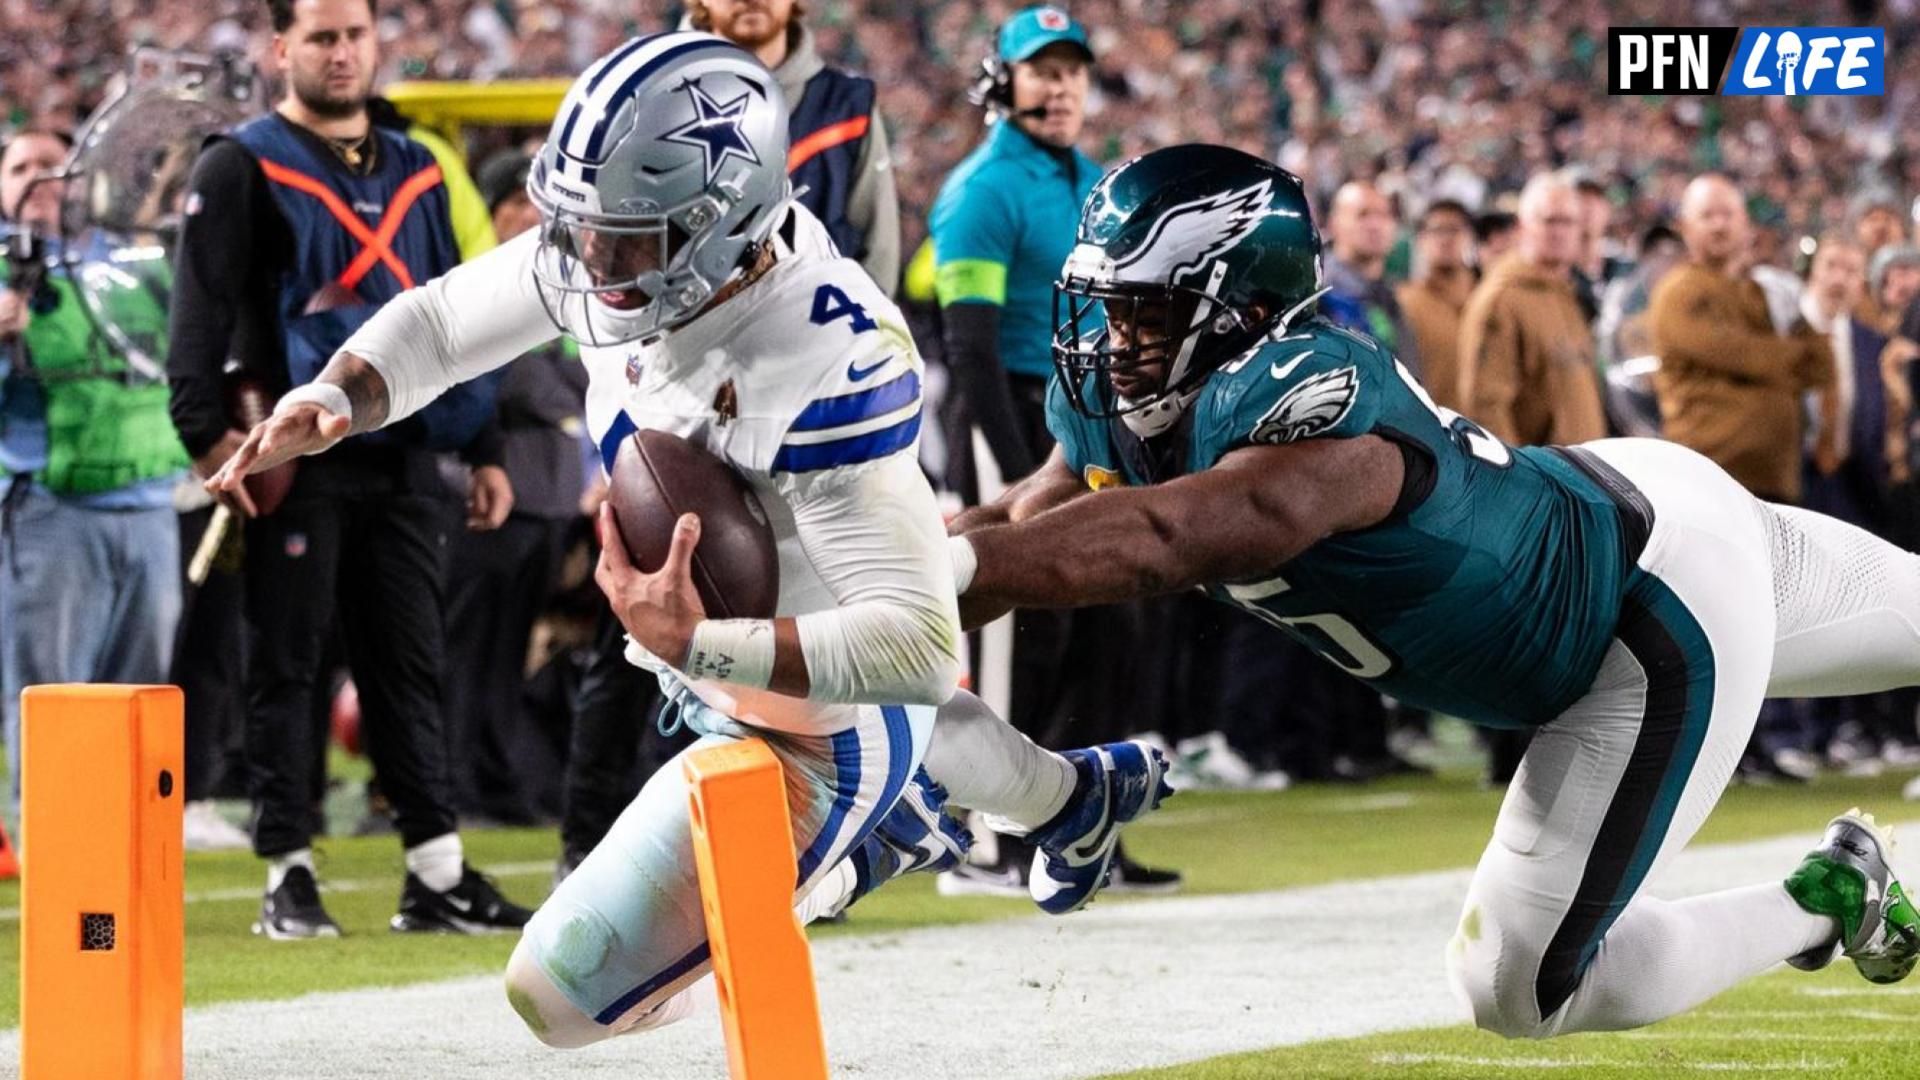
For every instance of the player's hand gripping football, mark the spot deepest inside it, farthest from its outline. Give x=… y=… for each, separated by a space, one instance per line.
x=298 y=429
x=661 y=609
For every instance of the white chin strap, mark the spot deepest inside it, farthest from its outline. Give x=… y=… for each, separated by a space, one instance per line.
x=1158 y=417
x=1150 y=420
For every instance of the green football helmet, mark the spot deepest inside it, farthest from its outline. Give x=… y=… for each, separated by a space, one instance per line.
x=1197 y=252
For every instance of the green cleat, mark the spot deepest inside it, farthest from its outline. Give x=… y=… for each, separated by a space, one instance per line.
x=1849 y=878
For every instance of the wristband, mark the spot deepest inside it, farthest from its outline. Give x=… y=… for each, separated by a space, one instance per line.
x=738 y=651
x=965 y=562
x=327 y=395
x=638 y=655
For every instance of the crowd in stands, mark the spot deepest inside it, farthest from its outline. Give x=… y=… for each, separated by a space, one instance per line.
x=1463 y=99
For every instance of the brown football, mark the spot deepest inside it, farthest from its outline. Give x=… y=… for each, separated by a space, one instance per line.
x=247 y=405
x=657 y=477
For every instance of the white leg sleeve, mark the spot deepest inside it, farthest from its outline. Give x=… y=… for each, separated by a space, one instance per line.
x=1652 y=965
x=1848 y=604
x=987 y=765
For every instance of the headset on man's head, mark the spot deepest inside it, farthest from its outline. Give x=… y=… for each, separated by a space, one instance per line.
x=992 y=88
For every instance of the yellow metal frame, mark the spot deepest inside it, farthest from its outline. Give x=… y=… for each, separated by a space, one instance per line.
x=449 y=107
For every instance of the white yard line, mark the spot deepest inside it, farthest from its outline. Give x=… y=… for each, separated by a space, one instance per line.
x=1530 y=1064
x=1121 y=986
x=1692 y=1035
x=1863 y=991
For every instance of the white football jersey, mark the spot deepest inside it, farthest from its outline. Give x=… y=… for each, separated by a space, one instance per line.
x=808 y=371
x=806 y=381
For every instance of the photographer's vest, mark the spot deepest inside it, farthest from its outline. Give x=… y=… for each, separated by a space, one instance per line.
x=104 y=430
x=358 y=242
x=826 y=133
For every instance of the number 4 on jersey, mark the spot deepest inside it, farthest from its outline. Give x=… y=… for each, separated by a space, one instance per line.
x=829 y=303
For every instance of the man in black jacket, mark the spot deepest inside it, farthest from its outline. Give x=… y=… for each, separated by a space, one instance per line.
x=298 y=226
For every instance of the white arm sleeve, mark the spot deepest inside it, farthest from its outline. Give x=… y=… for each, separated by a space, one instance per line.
x=877 y=540
x=460 y=325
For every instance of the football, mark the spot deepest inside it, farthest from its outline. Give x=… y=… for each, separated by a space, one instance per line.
x=248 y=405
x=657 y=477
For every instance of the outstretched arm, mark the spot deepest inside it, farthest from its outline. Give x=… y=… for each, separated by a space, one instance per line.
x=1258 y=508
x=1052 y=484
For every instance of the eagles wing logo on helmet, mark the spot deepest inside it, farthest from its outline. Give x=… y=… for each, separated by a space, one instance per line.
x=715 y=129
x=1206 y=228
x=1311 y=408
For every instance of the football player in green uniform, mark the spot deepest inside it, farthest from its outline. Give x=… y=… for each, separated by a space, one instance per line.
x=1625 y=599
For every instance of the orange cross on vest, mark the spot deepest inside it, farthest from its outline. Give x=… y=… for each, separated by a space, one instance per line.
x=376 y=243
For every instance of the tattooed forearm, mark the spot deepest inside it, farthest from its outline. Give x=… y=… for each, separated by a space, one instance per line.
x=365 y=388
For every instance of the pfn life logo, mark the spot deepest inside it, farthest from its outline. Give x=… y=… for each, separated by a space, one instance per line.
x=1789 y=61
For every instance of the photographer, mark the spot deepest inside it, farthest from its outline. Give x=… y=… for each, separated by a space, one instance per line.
x=88 y=541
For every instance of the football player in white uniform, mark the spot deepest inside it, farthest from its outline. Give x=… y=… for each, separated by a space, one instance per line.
x=710 y=306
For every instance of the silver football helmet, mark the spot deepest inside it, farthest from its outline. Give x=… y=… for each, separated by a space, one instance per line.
x=665 y=170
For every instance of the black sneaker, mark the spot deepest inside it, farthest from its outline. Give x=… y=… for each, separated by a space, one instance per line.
x=1007 y=876
x=1127 y=876
x=474 y=906
x=293 y=912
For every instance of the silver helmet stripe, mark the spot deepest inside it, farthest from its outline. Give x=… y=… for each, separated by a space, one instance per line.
x=586 y=131
x=574 y=105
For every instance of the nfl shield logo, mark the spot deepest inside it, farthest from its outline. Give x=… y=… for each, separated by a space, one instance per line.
x=633 y=369
x=296 y=545
x=1052 y=18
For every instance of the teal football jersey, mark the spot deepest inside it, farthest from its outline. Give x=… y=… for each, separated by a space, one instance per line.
x=1491 y=593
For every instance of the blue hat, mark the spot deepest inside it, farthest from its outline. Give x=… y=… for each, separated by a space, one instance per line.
x=1038 y=27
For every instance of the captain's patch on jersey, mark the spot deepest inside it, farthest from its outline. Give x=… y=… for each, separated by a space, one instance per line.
x=1312 y=408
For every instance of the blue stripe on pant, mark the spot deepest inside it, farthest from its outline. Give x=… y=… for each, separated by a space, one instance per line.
x=846 y=749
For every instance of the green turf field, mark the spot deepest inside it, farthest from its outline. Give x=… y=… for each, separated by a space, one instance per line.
x=1828 y=1025
x=1237 y=842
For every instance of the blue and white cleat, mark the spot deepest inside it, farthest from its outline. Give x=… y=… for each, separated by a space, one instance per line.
x=1118 y=783
x=916 y=835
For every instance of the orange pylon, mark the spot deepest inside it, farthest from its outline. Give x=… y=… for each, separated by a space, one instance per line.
x=102 y=907
x=762 y=967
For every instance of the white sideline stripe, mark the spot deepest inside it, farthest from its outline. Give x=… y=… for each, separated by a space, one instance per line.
x=1766 y=1036
x=1803 y=1065
x=1803 y=1014
x=1385 y=800
x=252 y=892
x=1864 y=991
x=1112 y=989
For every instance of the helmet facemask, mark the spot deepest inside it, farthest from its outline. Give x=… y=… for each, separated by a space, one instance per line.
x=585 y=262
x=1145 y=375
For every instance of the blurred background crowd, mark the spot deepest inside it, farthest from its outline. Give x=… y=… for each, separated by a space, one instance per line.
x=1459 y=99
x=1517 y=234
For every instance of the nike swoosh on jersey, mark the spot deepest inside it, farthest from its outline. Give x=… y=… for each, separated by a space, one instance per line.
x=1281 y=371
x=859 y=373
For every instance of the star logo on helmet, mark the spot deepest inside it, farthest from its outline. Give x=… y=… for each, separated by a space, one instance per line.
x=715 y=129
